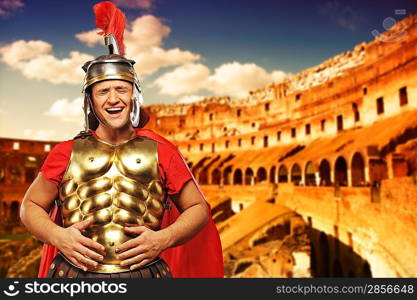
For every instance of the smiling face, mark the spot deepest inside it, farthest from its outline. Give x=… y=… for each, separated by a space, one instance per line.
x=112 y=100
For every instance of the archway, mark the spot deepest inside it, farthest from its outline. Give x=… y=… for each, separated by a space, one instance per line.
x=237 y=177
x=358 y=170
x=296 y=174
x=324 y=173
x=203 y=177
x=341 y=177
x=248 y=176
x=226 y=175
x=215 y=177
x=282 y=174
x=310 y=174
x=261 y=175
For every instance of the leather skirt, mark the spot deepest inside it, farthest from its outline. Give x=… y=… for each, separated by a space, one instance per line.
x=61 y=268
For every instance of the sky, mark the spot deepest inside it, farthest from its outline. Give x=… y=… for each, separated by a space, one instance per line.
x=184 y=50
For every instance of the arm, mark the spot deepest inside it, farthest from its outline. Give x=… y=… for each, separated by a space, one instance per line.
x=33 y=213
x=149 y=244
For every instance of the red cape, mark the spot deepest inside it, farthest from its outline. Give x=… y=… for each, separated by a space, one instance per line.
x=200 y=257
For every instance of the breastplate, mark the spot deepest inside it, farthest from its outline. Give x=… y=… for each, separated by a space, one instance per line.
x=117 y=186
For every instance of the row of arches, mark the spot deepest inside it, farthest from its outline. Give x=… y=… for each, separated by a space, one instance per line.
x=339 y=173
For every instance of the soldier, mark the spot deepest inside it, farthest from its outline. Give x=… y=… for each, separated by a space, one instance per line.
x=112 y=184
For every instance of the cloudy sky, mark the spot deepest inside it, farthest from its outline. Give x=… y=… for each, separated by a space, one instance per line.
x=184 y=50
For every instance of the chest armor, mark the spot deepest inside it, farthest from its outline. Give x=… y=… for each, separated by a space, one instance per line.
x=117 y=186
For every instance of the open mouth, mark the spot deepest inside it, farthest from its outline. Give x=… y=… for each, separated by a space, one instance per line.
x=114 y=110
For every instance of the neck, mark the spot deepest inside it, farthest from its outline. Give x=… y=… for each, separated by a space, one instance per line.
x=115 y=136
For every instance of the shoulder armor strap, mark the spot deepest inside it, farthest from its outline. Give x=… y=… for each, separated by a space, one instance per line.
x=83 y=134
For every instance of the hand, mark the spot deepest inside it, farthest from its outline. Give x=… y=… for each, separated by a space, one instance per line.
x=142 y=249
x=78 y=248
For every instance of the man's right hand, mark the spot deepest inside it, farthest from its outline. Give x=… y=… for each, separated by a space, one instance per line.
x=78 y=248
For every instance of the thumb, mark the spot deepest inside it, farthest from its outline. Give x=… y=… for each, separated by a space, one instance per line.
x=83 y=224
x=136 y=229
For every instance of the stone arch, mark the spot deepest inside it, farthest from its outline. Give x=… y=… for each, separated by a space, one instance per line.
x=238 y=177
x=296 y=174
x=215 y=176
x=282 y=174
x=261 y=175
x=358 y=170
x=325 y=173
x=272 y=174
x=310 y=174
x=248 y=176
x=203 y=177
x=341 y=171
x=226 y=175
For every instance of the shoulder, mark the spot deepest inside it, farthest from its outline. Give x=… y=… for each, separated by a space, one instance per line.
x=63 y=148
x=162 y=142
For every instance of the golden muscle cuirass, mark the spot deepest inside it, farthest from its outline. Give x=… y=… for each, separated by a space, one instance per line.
x=117 y=186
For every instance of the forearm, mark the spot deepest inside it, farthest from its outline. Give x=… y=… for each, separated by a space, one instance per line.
x=38 y=222
x=189 y=223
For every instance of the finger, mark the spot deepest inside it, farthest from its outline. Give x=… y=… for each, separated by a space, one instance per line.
x=77 y=263
x=127 y=245
x=131 y=252
x=90 y=253
x=85 y=260
x=92 y=244
x=141 y=264
x=83 y=224
x=136 y=229
x=134 y=260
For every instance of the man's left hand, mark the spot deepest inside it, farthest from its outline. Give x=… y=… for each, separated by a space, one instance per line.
x=142 y=249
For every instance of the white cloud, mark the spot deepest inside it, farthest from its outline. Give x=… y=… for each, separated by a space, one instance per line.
x=185 y=79
x=20 y=51
x=7 y=7
x=143 y=40
x=139 y=4
x=236 y=79
x=45 y=135
x=34 y=60
x=67 y=111
x=231 y=79
x=190 y=99
x=91 y=38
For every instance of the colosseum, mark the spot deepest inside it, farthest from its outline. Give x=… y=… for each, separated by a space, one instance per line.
x=314 y=176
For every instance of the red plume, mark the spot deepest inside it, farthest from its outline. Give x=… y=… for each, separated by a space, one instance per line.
x=111 y=20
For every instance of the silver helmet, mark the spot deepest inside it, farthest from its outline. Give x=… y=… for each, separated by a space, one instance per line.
x=106 y=67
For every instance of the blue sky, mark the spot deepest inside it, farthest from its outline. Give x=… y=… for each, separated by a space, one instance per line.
x=193 y=49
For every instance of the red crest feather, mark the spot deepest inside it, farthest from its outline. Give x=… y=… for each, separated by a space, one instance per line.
x=111 y=20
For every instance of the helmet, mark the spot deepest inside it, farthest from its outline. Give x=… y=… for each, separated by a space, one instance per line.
x=111 y=66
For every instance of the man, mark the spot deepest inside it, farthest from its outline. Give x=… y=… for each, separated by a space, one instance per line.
x=113 y=183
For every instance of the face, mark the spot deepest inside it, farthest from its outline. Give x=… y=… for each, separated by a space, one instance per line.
x=112 y=100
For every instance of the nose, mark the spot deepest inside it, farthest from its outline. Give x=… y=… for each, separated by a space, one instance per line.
x=113 y=98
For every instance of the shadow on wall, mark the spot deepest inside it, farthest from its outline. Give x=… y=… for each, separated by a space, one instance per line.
x=332 y=258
